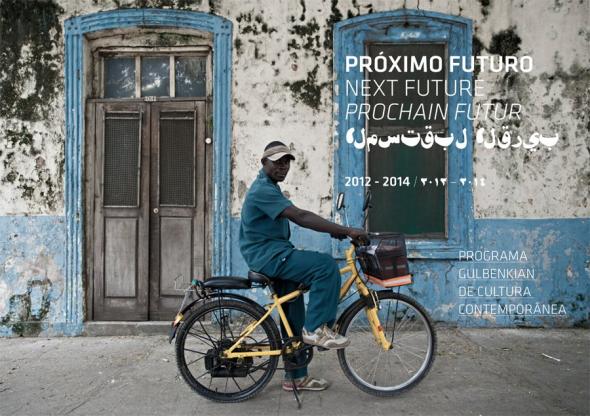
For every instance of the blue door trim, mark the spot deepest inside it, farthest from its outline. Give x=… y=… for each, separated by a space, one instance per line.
x=407 y=26
x=75 y=29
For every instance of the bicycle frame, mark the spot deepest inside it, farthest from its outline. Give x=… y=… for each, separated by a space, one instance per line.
x=354 y=278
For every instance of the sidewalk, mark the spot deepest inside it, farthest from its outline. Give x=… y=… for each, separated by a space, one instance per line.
x=476 y=372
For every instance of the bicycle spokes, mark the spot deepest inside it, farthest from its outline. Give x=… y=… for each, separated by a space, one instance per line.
x=411 y=346
x=204 y=346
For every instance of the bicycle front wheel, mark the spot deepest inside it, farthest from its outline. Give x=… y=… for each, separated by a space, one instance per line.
x=213 y=328
x=387 y=372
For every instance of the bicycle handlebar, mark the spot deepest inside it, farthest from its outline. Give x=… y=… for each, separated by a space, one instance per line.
x=358 y=243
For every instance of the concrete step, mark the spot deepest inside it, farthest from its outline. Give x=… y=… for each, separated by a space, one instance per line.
x=125 y=328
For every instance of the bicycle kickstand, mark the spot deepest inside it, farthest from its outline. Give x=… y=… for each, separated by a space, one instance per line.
x=296 y=392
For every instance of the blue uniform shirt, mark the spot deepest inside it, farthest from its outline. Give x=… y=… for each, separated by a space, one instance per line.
x=264 y=235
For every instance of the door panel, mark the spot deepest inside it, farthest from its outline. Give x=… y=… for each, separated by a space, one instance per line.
x=177 y=161
x=120 y=252
x=177 y=202
x=175 y=258
x=121 y=219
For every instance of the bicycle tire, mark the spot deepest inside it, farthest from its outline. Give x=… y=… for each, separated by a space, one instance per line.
x=358 y=307
x=269 y=327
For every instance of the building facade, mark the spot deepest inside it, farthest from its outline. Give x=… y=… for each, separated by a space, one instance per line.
x=130 y=131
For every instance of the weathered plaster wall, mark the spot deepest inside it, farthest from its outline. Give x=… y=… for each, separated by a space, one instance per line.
x=555 y=97
x=290 y=45
x=31 y=273
x=282 y=88
x=31 y=108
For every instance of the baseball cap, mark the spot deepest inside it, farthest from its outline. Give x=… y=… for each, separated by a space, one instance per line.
x=276 y=150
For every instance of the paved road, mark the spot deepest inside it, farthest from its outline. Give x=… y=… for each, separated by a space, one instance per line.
x=477 y=372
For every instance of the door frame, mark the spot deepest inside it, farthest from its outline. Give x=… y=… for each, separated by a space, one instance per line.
x=76 y=30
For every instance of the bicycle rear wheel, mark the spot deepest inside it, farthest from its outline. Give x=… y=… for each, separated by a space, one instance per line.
x=212 y=328
x=386 y=373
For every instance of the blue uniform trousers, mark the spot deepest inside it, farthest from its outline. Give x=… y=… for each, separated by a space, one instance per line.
x=320 y=273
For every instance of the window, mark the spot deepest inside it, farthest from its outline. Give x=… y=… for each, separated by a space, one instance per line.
x=153 y=74
x=401 y=206
x=438 y=220
x=119 y=79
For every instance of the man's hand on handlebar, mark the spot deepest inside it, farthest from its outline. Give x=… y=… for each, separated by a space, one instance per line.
x=338 y=236
x=358 y=236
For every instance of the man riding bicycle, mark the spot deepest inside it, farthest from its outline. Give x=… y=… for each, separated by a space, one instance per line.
x=265 y=245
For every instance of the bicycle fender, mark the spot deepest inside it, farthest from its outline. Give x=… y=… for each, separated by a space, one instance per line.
x=180 y=315
x=345 y=314
x=368 y=301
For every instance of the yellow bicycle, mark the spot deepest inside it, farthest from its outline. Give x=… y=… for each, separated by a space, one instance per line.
x=228 y=346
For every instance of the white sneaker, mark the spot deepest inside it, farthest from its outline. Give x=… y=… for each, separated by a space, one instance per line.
x=324 y=337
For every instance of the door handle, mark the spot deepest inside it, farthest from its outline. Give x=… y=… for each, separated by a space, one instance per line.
x=156 y=210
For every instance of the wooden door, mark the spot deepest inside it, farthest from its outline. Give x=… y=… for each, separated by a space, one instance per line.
x=121 y=211
x=149 y=233
x=177 y=202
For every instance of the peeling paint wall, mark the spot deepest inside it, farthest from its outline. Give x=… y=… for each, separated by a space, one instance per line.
x=282 y=89
x=555 y=97
x=31 y=274
x=296 y=54
x=31 y=108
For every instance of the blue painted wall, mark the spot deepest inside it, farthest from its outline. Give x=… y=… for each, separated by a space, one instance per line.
x=32 y=271
x=32 y=260
x=557 y=251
